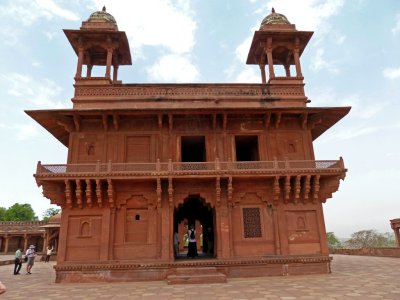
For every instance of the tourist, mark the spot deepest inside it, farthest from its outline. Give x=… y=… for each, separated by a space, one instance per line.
x=17 y=261
x=30 y=254
x=176 y=244
x=192 y=251
x=48 y=253
x=2 y=288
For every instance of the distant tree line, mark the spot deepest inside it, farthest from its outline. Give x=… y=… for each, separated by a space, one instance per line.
x=362 y=239
x=24 y=212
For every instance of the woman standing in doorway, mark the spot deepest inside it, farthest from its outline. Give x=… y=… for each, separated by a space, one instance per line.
x=192 y=249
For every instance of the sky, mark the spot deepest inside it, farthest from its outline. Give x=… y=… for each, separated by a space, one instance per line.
x=353 y=59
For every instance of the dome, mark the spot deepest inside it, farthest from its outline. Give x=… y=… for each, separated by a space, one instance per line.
x=101 y=16
x=274 y=18
x=56 y=219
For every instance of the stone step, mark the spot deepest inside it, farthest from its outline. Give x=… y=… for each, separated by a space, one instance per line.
x=195 y=275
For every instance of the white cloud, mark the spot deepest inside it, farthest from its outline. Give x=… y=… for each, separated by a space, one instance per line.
x=173 y=68
x=339 y=38
x=318 y=63
x=50 y=9
x=396 y=28
x=391 y=73
x=353 y=132
x=243 y=49
x=26 y=131
x=42 y=93
x=163 y=23
x=49 y=35
x=307 y=14
x=360 y=108
x=27 y=12
x=248 y=76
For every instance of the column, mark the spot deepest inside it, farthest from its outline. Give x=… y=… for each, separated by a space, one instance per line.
x=270 y=63
x=105 y=234
x=270 y=59
x=25 y=243
x=80 y=62
x=263 y=77
x=115 y=73
x=89 y=71
x=296 y=56
x=6 y=244
x=165 y=229
x=112 y=234
x=322 y=229
x=108 y=65
x=287 y=70
x=297 y=62
x=276 y=231
x=397 y=235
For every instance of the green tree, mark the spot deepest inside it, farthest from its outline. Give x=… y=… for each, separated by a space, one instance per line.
x=49 y=213
x=333 y=241
x=368 y=239
x=3 y=211
x=20 y=212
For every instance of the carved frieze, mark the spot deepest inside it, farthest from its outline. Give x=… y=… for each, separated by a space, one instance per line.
x=198 y=91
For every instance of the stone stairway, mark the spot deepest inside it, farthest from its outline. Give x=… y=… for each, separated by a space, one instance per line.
x=195 y=275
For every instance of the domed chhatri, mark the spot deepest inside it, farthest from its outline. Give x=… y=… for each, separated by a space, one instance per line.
x=274 y=18
x=101 y=16
x=100 y=20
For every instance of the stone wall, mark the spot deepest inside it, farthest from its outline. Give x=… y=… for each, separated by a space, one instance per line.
x=388 y=251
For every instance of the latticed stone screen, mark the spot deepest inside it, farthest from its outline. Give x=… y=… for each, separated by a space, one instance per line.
x=251 y=222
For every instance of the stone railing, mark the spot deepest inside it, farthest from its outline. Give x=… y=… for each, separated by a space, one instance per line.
x=24 y=223
x=198 y=91
x=217 y=168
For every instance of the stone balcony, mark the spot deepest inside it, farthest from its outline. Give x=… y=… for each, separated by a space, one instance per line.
x=183 y=169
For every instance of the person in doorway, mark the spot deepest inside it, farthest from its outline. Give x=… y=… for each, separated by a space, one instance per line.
x=30 y=254
x=192 y=249
x=49 y=251
x=17 y=261
x=176 y=244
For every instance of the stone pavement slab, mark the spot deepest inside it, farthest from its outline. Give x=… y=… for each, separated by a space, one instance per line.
x=353 y=277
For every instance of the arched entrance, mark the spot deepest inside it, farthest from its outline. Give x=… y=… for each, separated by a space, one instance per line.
x=197 y=212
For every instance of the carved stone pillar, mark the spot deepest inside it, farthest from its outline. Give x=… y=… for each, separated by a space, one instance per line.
x=80 y=62
x=276 y=231
x=263 y=76
x=296 y=56
x=25 y=243
x=6 y=244
x=109 y=59
x=115 y=73
x=270 y=59
x=89 y=71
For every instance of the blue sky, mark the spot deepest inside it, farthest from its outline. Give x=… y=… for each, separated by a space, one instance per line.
x=353 y=59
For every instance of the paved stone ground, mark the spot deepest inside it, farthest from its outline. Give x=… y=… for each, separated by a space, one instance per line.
x=353 y=277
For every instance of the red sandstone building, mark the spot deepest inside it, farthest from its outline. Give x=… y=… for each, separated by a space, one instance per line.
x=145 y=160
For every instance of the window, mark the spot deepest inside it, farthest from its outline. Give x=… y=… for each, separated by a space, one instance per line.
x=251 y=222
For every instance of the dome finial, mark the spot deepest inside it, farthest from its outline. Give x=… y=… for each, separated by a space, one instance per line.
x=104 y=8
x=273 y=10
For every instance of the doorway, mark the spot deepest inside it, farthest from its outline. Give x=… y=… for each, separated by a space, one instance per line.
x=197 y=213
x=246 y=148
x=193 y=149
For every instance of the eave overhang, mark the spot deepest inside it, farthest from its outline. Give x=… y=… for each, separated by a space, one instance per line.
x=61 y=122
